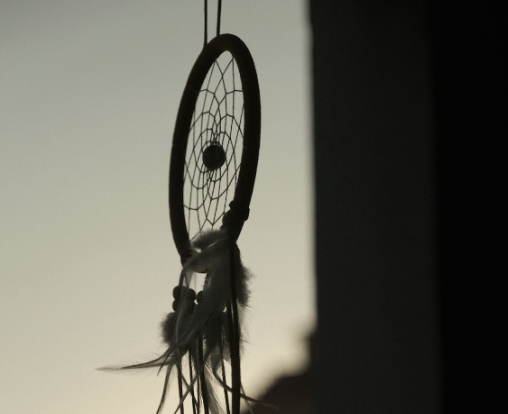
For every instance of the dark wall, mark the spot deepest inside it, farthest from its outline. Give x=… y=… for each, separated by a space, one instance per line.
x=410 y=119
x=470 y=72
x=377 y=344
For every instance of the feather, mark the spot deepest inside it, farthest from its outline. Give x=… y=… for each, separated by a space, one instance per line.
x=212 y=256
x=200 y=329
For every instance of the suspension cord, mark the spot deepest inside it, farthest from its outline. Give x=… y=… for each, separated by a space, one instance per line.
x=219 y=13
x=206 y=22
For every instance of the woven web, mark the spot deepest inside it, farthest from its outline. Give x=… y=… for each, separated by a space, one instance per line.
x=217 y=121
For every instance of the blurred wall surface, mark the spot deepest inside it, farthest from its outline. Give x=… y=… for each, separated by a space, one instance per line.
x=409 y=131
x=377 y=344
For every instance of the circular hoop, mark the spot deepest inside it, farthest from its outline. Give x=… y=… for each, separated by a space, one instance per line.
x=245 y=174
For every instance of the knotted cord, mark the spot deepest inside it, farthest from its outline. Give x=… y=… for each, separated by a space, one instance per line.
x=215 y=140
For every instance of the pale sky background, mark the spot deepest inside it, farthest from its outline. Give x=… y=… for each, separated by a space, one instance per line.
x=88 y=97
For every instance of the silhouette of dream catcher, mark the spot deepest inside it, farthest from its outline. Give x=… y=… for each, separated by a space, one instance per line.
x=213 y=166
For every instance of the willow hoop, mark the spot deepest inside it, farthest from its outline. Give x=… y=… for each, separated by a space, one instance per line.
x=238 y=212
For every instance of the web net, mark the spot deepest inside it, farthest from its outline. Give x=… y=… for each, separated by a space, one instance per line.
x=214 y=147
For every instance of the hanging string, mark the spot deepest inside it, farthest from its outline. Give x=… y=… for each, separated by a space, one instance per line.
x=234 y=334
x=219 y=13
x=206 y=22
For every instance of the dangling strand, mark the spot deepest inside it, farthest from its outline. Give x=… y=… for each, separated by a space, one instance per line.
x=234 y=334
x=206 y=22
x=219 y=11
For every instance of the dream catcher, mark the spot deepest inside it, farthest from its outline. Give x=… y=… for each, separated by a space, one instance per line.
x=212 y=171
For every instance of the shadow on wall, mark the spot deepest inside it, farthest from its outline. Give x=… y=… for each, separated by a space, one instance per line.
x=289 y=394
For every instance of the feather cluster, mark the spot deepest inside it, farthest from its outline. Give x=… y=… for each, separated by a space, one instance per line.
x=201 y=334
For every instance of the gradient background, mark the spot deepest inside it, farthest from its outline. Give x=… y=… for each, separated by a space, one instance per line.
x=88 y=98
